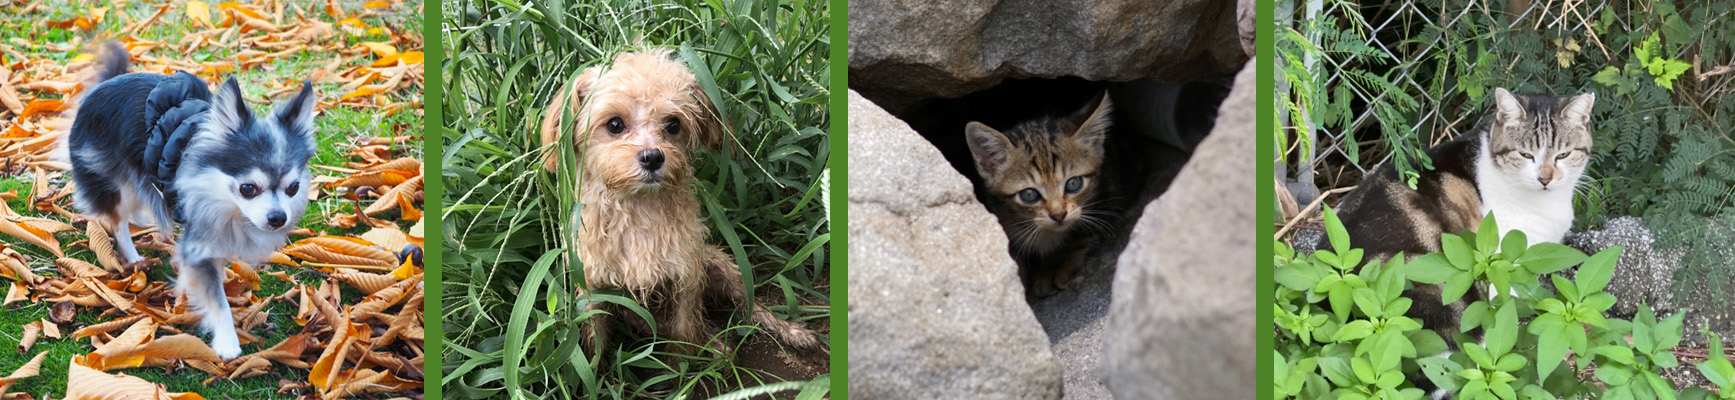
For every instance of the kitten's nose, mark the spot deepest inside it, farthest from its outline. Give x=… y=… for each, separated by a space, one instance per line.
x=1545 y=179
x=651 y=159
x=1058 y=216
x=276 y=218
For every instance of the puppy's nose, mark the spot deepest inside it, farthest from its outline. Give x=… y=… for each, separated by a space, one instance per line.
x=276 y=218
x=651 y=159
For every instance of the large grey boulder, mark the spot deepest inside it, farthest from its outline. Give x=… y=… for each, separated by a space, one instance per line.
x=1181 y=325
x=907 y=50
x=1647 y=275
x=936 y=310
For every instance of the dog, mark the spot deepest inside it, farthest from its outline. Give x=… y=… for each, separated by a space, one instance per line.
x=151 y=149
x=637 y=127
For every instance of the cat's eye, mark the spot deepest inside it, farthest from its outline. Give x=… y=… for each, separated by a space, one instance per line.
x=673 y=127
x=249 y=190
x=1074 y=185
x=1562 y=156
x=1029 y=196
x=616 y=126
x=293 y=187
x=1527 y=155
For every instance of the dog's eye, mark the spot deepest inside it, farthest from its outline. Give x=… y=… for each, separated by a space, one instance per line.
x=616 y=126
x=293 y=187
x=249 y=190
x=673 y=127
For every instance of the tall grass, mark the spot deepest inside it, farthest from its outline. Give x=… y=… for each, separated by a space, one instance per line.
x=512 y=318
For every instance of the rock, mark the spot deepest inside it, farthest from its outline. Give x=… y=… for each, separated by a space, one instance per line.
x=1182 y=319
x=903 y=51
x=1647 y=275
x=936 y=309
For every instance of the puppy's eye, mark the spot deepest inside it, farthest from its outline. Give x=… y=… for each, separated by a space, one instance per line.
x=293 y=187
x=616 y=126
x=1074 y=185
x=673 y=127
x=249 y=190
x=1029 y=196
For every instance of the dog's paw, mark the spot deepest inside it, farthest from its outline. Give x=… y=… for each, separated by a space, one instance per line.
x=800 y=337
x=227 y=347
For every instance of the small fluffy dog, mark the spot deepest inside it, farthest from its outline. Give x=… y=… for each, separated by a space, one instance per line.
x=637 y=126
x=154 y=149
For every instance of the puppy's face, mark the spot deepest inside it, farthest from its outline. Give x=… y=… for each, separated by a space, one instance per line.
x=251 y=166
x=637 y=124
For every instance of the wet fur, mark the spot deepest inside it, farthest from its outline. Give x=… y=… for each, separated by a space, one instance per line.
x=642 y=230
x=1043 y=154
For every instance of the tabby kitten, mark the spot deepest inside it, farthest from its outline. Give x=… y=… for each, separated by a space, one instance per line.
x=1522 y=166
x=1043 y=180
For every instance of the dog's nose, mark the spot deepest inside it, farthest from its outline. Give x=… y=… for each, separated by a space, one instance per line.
x=276 y=218
x=651 y=159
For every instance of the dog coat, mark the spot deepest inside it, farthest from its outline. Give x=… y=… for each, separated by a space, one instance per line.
x=173 y=111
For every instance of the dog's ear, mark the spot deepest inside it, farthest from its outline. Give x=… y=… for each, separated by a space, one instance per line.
x=296 y=115
x=229 y=109
x=570 y=98
x=709 y=132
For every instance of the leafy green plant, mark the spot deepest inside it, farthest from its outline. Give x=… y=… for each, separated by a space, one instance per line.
x=513 y=318
x=1343 y=332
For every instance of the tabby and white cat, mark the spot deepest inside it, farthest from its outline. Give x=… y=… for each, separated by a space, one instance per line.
x=1522 y=166
x=1043 y=179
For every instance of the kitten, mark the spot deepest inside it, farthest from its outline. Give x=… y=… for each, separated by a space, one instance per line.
x=1043 y=179
x=1522 y=166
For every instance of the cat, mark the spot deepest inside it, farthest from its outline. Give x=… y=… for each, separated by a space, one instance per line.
x=1044 y=179
x=1522 y=166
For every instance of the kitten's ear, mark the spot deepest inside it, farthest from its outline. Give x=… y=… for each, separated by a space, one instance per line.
x=1509 y=110
x=1578 y=109
x=570 y=98
x=1096 y=125
x=229 y=109
x=989 y=147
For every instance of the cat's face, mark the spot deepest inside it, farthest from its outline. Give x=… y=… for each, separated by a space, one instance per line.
x=1042 y=171
x=1541 y=142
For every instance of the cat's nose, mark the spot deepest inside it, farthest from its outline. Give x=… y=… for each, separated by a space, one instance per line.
x=1545 y=179
x=1058 y=216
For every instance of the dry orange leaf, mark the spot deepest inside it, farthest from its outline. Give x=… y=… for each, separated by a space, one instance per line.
x=377 y=178
x=380 y=49
x=139 y=344
x=29 y=369
x=32 y=235
x=199 y=12
x=40 y=107
x=85 y=383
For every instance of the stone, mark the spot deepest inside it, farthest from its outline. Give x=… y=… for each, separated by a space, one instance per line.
x=936 y=309
x=1181 y=324
x=1646 y=275
x=903 y=51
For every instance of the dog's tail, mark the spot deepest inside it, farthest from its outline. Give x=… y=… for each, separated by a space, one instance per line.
x=112 y=62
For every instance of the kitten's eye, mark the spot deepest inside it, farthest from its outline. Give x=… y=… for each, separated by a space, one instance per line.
x=1029 y=196
x=293 y=187
x=1562 y=156
x=615 y=126
x=673 y=127
x=249 y=190
x=1527 y=156
x=1074 y=185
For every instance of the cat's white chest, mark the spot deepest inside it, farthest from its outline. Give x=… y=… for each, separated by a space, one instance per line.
x=1545 y=216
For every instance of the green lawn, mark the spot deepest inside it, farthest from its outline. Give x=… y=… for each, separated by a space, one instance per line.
x=336 y=128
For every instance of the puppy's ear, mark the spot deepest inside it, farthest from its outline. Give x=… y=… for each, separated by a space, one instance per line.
x=571 y=98
x=709 y=131
x=229 y=109
x=296 y=115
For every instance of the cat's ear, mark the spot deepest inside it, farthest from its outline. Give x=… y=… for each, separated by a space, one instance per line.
x=1096 y=125
x=1509 y=110
x=989 y=147
x=1578 y=109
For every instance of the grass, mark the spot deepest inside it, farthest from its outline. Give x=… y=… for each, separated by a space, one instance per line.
x=764 y=62
x=335 y=127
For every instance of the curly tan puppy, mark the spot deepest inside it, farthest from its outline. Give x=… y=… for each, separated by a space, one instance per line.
x=637 y=126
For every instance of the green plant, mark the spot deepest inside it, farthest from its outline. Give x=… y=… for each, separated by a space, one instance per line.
x=1343 y=332
x=512 y=316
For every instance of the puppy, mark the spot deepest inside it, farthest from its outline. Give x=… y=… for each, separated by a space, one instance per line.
x=155 y=149
x=637 y=127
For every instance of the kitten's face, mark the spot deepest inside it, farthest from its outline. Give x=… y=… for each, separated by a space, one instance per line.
x=1541 y=142
x=1043 y=172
